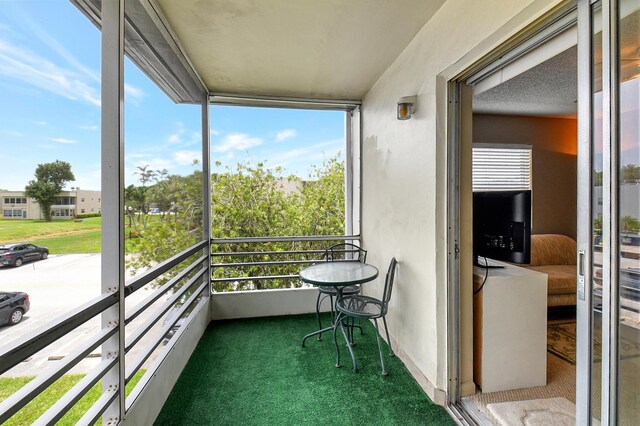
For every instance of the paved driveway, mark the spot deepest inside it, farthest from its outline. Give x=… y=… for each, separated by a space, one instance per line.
x=56 y=286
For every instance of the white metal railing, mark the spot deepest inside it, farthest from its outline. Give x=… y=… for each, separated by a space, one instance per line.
x=239 y=264
x=190 y=283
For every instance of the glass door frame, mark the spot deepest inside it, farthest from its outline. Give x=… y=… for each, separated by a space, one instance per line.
x=610 y=212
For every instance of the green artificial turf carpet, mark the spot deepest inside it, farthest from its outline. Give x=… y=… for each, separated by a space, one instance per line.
x=255 y=372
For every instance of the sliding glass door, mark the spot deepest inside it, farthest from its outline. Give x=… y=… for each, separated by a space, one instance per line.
x=608 y=367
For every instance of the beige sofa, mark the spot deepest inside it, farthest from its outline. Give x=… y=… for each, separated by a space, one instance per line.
x=555 y=255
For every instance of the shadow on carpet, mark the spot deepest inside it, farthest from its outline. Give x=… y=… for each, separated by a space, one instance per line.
x=255 y=372
x=561 y=341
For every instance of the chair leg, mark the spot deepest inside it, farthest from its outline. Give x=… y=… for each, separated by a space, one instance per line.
x=386 y=329
x=318 y=303
x=333 y=309
x=346 y=338
x=384 y=370
x=335 y=341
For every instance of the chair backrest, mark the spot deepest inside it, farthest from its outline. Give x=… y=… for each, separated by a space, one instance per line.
x=388 y=284
x=345 y=251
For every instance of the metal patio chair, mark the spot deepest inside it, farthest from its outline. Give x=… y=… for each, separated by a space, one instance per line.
x=338 y=253
x=365 y=307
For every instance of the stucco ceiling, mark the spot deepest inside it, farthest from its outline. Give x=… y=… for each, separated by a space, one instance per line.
x=549 y=89
x=330 y=49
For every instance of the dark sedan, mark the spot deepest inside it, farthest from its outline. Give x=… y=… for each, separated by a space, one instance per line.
x=13 y=306
x=17 y=254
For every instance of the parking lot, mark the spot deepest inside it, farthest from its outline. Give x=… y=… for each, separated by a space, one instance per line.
x=56 y=286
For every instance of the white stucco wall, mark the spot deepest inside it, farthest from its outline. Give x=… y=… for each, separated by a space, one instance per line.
x=404 y=168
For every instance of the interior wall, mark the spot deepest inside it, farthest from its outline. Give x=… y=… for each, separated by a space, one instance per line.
x=404 y=195
x=554 y=143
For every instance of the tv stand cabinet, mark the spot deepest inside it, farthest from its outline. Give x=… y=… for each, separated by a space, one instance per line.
x=510 y=328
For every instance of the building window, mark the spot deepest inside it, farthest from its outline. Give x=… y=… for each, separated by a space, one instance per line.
x=10 y=213
x=81 y=210
x=15 y=200
x=499 y=167
x=65 y=201
x=82 y=200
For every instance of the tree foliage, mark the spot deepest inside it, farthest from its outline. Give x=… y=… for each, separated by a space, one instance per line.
x=178 y=227
x=50 y=180
x=630 y=224
x=631 y=173
x=246 y=201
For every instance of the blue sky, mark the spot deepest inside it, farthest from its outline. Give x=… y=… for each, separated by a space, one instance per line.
x=50 y=109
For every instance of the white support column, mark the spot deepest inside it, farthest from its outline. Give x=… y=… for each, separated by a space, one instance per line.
x=112 y=263
x=354 y=177
x=348 y=174
x=206 y=182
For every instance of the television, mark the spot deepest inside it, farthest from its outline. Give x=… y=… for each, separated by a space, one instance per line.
x=502 y=226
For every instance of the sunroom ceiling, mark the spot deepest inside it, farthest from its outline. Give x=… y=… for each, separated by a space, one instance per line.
x=329 y=49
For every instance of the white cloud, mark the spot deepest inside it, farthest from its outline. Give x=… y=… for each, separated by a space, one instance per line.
x=40 y=123
x=54 y=45
x=133 y=94
x=285 y=134
x=25 y=66
x=186 y=158
x=156 y=163
x=89 y=127
x=62 y=140
x=215 y=132
x=133 y=155
x=312 y=152
x=238 y=142
x=196 y=138
x=89 y=177
x=177 y=136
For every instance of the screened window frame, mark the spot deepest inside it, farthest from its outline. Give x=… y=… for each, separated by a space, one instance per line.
x=499 y=182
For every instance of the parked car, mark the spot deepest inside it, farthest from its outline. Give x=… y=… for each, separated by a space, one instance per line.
x=17 y=254
x=13 y=306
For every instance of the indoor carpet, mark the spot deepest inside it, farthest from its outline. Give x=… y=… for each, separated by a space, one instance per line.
x=255 y=372
x=561 y=341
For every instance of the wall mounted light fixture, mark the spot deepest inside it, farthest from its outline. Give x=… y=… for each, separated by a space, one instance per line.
x=406 y=107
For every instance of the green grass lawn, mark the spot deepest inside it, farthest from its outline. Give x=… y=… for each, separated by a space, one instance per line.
x=62 y=236
x=34 y=409
x=29 y=230
x=85 y=242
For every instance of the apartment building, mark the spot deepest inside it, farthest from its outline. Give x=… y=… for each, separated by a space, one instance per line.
x=17 y=205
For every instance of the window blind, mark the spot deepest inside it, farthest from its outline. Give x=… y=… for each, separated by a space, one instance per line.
x=501 y=167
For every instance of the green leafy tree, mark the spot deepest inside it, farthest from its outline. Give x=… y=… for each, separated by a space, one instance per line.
x=50 y=180
x=256 y=201
x=181 y=226
x=246 y=201
x=631 y=173
x=251 y=201
x=320 y=209
x=630 y=224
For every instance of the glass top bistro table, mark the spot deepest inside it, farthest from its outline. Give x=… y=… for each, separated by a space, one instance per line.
x=337 y=274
